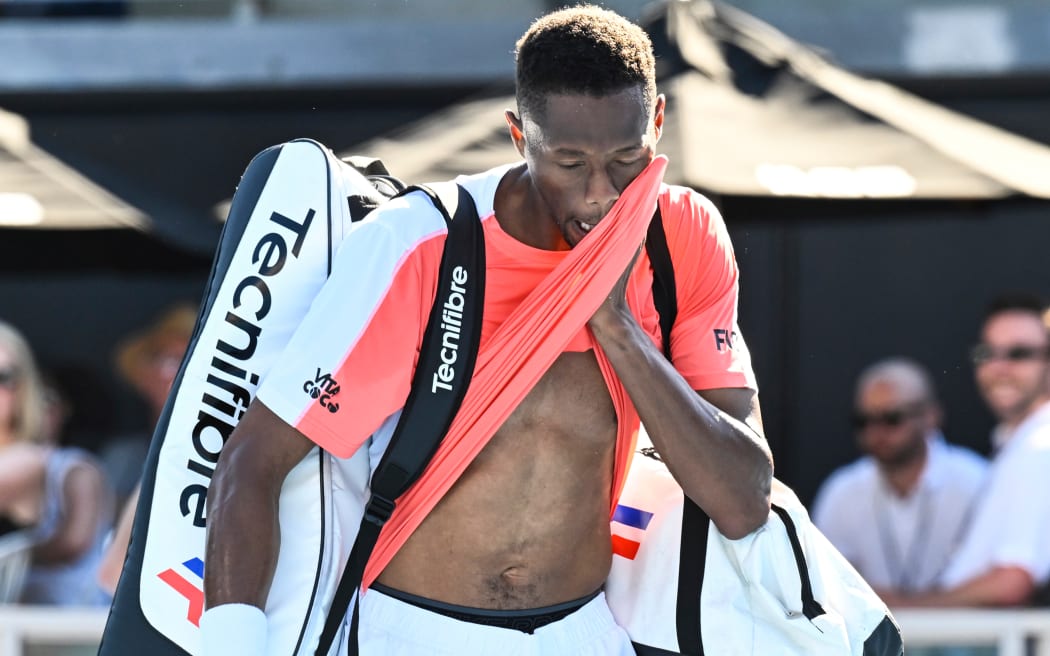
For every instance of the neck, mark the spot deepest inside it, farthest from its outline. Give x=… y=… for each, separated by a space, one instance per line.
x=523 y=215
x=903 y=478
x=1011 y=423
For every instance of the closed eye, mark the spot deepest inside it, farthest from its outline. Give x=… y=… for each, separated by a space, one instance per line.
x=570 y=165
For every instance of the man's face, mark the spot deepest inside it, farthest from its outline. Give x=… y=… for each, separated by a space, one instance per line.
x=162 y=366
x=1011 y=364
x=583 y=151
x=891 y=422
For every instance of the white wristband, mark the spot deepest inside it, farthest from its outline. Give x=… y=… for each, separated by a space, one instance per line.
x=233 y=630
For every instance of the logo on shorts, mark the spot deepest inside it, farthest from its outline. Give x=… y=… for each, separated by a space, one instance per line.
x=628 y=530
x=192 y=590
x=323 y=388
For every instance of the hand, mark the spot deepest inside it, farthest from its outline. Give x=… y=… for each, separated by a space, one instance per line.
x=614 y=306
x=891 y=598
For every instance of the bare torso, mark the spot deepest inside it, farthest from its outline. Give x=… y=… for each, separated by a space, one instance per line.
x=527 y=525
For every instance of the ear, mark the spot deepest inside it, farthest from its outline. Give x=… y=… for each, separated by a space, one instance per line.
x=658 y=116
x=517 y=131
x=936 y=415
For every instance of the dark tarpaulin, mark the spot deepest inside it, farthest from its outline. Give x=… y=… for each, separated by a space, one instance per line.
x=753 y=113
x=53 y=218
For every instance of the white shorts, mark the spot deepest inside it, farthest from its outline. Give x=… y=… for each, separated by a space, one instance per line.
x=390 y=627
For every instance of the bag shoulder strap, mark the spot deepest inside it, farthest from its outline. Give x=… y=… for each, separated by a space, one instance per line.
x=433 y=400
x=664 y=289
x=695 y=522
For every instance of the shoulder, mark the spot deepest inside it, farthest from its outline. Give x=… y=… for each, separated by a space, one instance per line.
x=413 y=217
x=964 y=460
x=407 y=229
x=1028 y=449
x=696 y=233
x=65 y=460
x=857 y=477
x=960 y=471
x=683 y=208
x=482 y=187
x=409 y=215
x=1037 y=439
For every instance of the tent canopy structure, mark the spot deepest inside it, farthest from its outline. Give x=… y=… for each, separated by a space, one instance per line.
x=53 y=217
x=39 y=191
x=753 y=113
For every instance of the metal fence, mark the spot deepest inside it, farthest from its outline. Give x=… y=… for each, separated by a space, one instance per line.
x=22 y=628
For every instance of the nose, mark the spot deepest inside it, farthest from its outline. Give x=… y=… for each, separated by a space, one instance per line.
x=601 y=192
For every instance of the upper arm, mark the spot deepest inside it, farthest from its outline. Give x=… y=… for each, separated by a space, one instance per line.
x=85 y=506
x=349 y=364
x=261 y=450
x=706 y=345
x=89 y=504
x=109 y=569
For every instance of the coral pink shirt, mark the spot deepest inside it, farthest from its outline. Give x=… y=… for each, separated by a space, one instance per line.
x=362 y=334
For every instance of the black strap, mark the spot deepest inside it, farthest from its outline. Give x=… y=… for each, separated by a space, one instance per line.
x=664 y=289
x=691 y=560
x=695 y=522
x=438 y=386
x=810 y=607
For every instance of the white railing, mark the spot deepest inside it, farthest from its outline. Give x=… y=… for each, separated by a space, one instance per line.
x=1008 y=630
x=48 y=625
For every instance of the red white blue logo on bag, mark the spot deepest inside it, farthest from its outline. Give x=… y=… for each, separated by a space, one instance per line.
x=628 y=530
x=192 y=590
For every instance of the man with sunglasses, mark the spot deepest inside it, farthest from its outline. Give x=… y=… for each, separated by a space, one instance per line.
x=1005 y=555
x=898 y=512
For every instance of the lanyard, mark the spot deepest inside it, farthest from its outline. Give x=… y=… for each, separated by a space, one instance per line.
x=903 y=568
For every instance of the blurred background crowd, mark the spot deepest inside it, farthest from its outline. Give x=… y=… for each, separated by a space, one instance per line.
x=883 y=167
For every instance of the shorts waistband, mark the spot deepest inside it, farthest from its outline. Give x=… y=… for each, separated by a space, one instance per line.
x=525 y=620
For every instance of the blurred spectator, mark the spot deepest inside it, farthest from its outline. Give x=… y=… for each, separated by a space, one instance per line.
x=116 y=551
x=898 y=512
x=60 y=495
x=1005 y=554
x=86 y=407
x=148 y=361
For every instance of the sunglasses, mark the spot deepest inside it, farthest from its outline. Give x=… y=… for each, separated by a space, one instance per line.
x=8 y=377
x=983 y=353
x=890 y=418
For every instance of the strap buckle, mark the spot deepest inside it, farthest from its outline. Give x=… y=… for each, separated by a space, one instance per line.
x=378 y=510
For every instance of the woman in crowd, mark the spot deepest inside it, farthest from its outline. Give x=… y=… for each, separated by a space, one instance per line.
x=60 y=495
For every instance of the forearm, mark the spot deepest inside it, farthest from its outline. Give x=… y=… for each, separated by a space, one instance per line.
x=242 y=543
x=1001 y=586
x=722 y=463
x=84 y=497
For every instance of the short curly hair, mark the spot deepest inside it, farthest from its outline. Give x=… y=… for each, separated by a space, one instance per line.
x=582 y=49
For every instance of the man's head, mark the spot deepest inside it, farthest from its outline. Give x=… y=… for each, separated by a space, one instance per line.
x=895 y=409
x=21 y=393
x=588 y=114
x=1012 y=360
x=582 y=50
x=149 y=360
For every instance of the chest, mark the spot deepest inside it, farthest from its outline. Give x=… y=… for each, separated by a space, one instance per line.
x=569 y=410
x=510 y=280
